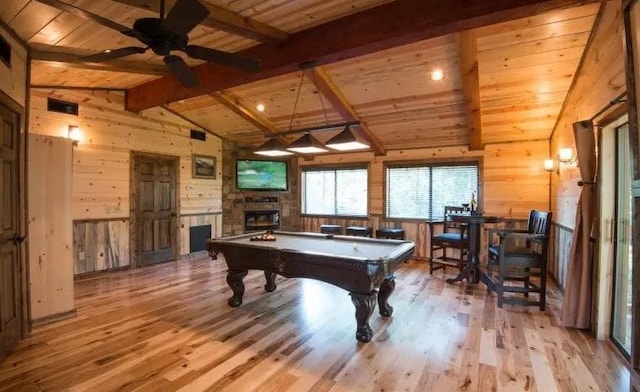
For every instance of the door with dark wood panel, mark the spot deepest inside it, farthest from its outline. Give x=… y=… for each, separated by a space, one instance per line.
x=10 y=300
x=155 y=209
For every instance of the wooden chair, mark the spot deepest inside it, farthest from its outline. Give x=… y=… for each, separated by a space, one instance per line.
x=520 y=256
x=454 y=237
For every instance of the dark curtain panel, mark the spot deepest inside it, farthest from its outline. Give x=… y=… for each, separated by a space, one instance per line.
x=576 y=308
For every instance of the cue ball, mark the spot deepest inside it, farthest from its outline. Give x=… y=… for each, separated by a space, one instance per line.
x=355 y=245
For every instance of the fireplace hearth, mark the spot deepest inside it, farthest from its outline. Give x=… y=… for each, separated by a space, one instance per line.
x=262 y=220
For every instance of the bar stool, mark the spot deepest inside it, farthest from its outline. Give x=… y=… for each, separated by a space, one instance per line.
x=331 y=229
x=359 y=231
x=390 y=233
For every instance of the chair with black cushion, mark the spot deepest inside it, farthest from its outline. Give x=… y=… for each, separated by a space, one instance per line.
x=521 y=257
x=453 y=242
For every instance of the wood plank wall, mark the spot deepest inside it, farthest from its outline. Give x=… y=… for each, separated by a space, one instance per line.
x=101 y=170
x=512 y=180
x=50 y=232
x=599 y=80
x=13 y=79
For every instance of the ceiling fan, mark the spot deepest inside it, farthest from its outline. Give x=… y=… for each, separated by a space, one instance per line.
x=163 y=35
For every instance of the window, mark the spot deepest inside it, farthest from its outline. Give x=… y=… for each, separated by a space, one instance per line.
x=421 y=192
x=335 y=191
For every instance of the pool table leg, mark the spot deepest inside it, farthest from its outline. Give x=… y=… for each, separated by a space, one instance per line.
x=364 y=303
x=271 y=281
x=386 y=288
x=234 y=280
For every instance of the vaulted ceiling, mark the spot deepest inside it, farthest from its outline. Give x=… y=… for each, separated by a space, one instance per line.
x=502 y=81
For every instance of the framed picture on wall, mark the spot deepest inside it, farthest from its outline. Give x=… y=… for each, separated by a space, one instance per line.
x=204 y=166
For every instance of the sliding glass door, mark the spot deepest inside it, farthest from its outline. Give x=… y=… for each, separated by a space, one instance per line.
x=621 y=317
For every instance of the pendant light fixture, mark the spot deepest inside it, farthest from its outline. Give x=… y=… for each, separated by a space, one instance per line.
x=345 y=141
x=306 y=144
x=272 y=148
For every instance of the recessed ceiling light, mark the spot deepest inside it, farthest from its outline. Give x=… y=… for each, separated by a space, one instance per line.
x=260 y=107
x=437 y=75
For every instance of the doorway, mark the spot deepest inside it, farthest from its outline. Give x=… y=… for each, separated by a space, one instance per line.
x=622 y=289
x=154 y=226
x=11 y=296
x=615 y=290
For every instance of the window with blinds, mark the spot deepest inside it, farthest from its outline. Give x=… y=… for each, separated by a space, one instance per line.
x=340 y=192
x=422 y=192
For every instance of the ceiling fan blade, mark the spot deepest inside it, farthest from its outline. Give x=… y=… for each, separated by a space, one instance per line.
x=184 y=16
x=113 y=54
x=181 y=70
x=217 y=56
x=61 y=5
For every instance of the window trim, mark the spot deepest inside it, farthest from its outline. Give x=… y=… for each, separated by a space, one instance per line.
x=478 y=161
x=340 y=166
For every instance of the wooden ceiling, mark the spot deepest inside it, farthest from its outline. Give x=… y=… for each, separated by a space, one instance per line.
x=503 y=82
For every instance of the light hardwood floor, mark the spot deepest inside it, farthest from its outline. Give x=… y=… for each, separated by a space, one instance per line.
x=168 y=327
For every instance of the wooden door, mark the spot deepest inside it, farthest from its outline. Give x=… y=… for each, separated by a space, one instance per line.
x=10 y=298
x=155 y=209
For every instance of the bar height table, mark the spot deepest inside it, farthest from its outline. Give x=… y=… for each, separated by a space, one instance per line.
x=474 y=223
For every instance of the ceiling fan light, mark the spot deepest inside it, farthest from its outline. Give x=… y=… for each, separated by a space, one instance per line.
x=272 y=148
x=307 y=144
x=345 y=141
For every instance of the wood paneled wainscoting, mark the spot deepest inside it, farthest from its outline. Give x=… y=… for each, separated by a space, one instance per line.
x=559 y=253
x=192 y=220
x=100 y=244
x=415 y=230
x=103 y=244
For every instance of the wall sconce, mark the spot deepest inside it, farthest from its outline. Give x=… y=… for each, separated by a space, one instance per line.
x=74 y=134
x=565 y=155
x=549 y=165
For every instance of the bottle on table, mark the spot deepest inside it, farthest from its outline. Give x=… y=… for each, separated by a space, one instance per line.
x=473 y=203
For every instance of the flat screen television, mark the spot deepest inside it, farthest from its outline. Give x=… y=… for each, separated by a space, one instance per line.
x=261 y=175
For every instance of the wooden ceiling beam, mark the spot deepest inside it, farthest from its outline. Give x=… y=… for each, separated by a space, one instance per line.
x=386 y=26
x=223 y=19
x=468 y=55
x=329 y=90
x=69 y=60
x=232 y=103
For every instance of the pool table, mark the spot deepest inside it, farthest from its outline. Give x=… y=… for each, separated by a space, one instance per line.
x=356 y=264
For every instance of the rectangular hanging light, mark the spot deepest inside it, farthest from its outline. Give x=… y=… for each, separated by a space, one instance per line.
x=345 y=141
x=272 y=148
x=307 y=144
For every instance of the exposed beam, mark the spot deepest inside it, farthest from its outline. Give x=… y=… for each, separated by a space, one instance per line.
x=60 y=87
x=232 y=103
x=69 y=60
x=392 y=24
x=468 y=55
x=223 y=19
x=329 y=90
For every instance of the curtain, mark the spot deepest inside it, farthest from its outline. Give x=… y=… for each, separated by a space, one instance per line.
x=576 y=308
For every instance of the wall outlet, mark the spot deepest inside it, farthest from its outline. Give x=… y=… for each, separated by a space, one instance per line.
x=81 y=256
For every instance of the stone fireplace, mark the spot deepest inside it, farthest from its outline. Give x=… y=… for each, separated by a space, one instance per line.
x=281 y=206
